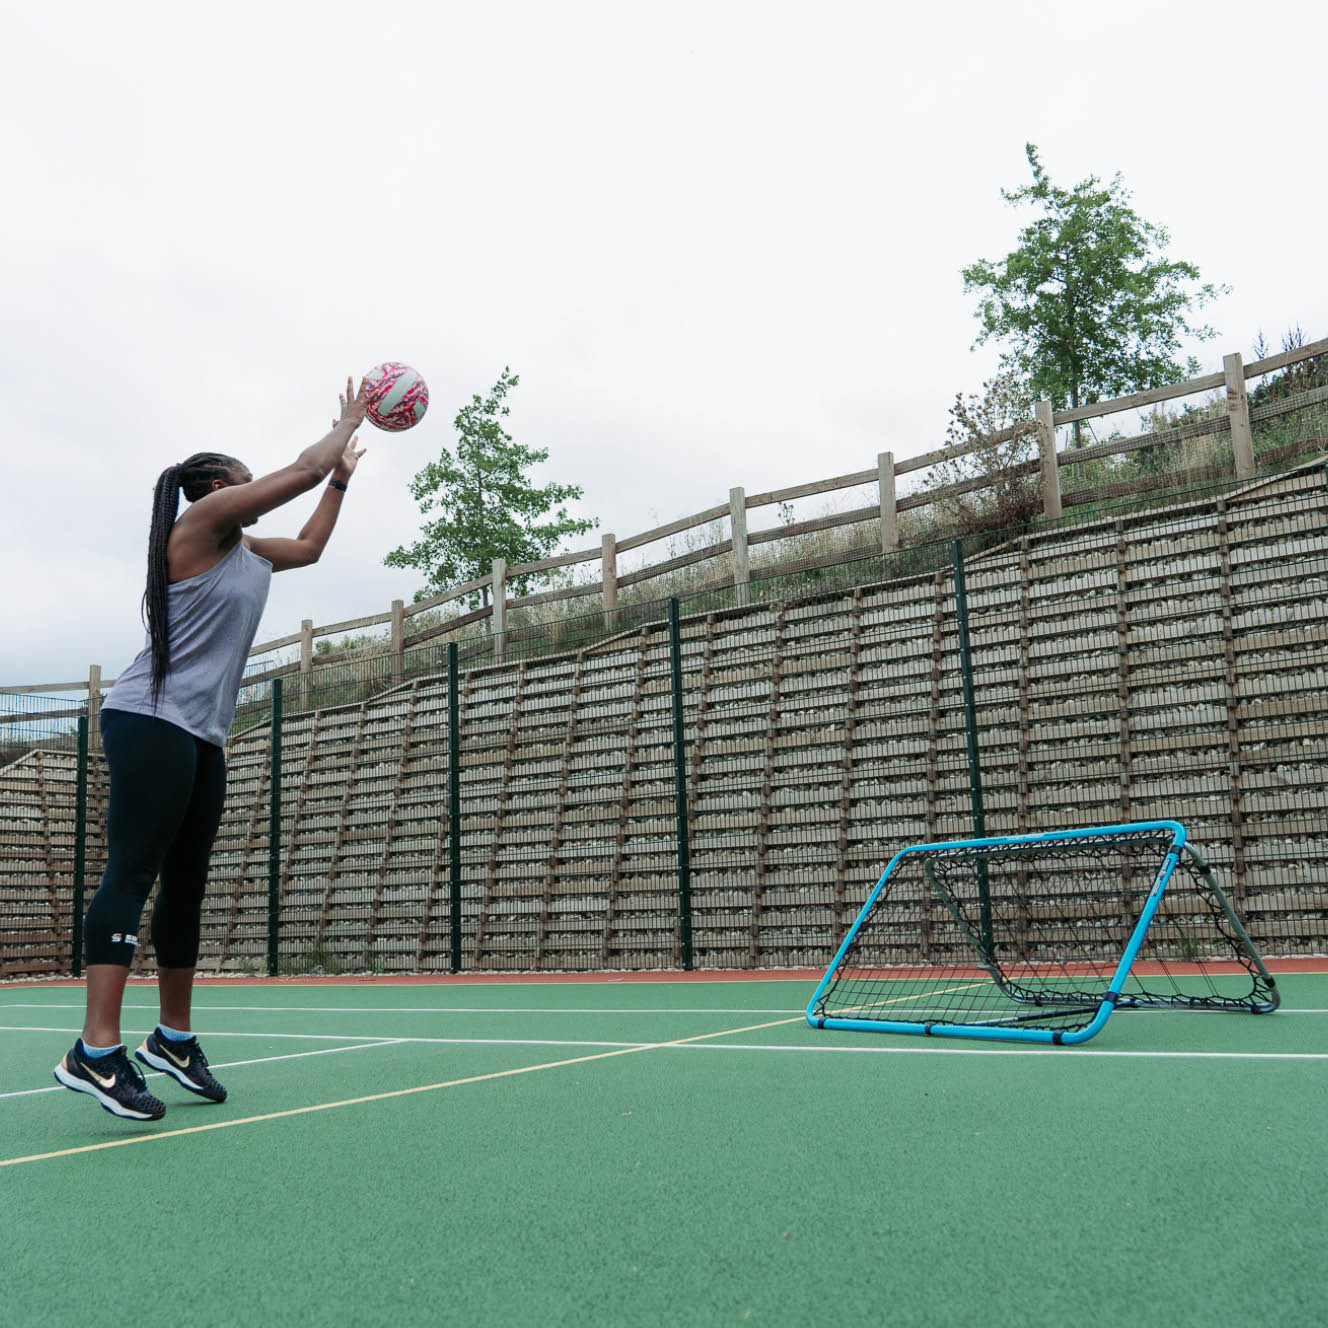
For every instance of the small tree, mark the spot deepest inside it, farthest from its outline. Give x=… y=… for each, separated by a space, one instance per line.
x=1089 y=305
x=999 y=429
x=484 y=504
x=1298 y=377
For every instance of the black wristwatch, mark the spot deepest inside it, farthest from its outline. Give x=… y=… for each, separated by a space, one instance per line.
x=336 y=484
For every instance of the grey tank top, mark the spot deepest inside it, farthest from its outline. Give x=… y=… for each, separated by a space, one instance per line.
x=213 y=619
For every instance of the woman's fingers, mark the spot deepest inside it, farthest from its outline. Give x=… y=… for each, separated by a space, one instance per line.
x=353 y=402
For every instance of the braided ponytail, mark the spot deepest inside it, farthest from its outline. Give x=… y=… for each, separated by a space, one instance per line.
x=195 y=477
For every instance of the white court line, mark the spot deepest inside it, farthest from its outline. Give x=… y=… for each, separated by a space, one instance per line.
x=1059 y=1053
x=213 y=1033
x=931 y=1048
x=510 y=1009
x=371 y=1039
x=663 y=980
x=1073 y=1053
x=419 y=1009
x=228 y=1065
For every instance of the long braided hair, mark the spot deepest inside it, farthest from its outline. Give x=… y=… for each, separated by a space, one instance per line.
x=194 y=477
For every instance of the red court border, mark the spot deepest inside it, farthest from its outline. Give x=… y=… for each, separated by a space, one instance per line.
x=463 y=979
x=1306 y=965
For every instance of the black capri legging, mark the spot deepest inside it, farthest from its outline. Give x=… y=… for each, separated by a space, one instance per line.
x=167 y=792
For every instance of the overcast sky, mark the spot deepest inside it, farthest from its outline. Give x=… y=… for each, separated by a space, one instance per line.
x=719 y=242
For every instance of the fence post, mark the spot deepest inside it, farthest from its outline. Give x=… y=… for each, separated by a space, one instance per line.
x=609 y=576
x=1238 y=408
x=306 y=660
x=1051 y=475
x=274 y=834
x=738 y=521
x=971 y=730
x=80 y=847
x=94 y=704
x=680 y=786
x=498 y=622
x=398 y=642
x=454 y=806
x=885 y=480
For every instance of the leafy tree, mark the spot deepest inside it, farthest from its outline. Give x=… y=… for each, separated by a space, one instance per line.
x=1088 y=303
x=484 y=505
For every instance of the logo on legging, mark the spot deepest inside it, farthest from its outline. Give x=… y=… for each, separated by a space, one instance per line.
x=118 y=938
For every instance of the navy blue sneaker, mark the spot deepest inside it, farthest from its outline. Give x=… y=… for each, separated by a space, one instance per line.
x=114 y=1080
x=184 y=1062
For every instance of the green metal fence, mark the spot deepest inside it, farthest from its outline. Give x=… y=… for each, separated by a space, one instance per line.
x=719 y=783
x=43 y=818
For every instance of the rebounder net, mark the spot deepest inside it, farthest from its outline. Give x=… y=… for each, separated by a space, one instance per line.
x=1039 y=938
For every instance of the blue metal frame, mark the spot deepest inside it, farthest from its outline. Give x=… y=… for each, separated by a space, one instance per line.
x=991 y=1032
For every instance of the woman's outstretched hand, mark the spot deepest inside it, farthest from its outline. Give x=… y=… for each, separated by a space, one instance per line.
x=353 y=404
x=350 y=458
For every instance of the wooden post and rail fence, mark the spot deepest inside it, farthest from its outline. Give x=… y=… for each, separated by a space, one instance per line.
x=884 y=513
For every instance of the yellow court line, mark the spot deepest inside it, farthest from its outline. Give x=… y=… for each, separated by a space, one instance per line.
x=913 y=996
x=406 y=1092
x=382 y=1097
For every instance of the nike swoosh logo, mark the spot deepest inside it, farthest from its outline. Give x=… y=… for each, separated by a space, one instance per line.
x=170 y=1056
x=107 y=1082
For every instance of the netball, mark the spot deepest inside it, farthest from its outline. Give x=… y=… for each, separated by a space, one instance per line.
x=398 y=396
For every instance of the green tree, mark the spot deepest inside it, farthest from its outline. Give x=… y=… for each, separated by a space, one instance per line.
x=484 y=506
x=1088 y=304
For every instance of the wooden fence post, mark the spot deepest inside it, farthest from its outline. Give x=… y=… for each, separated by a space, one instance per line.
x=885 y=480
x=741 y=567
x=306 y=660
x=498 y=621
x=609 y=576
x=1238 y=408
x=1051 y=476
x=398 y=642
x=94 y=705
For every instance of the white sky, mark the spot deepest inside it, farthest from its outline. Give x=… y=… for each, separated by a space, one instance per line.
x=720 y=243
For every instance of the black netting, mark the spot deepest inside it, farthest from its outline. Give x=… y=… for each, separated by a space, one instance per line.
x=1032 y=934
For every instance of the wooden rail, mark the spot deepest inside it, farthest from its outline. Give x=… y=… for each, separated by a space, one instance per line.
x=1235 y=424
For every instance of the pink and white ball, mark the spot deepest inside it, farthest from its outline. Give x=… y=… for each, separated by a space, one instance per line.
x=398 y=396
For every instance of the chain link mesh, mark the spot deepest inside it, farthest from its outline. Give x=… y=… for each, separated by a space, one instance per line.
x=1159 y=664
x=39 y=760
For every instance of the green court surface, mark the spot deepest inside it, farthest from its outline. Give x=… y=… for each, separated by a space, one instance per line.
x=665 y=1152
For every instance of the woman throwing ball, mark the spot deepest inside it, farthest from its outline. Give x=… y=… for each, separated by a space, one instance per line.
x=164 y=727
